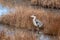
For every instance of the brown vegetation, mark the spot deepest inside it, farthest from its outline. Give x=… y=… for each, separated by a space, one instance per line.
x=9 y=3
x=59 y=34
x=17 y=35
x=54 y=24
x=48 y=3
x=21 y=19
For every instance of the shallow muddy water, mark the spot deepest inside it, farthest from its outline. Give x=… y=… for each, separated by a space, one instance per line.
x=42 y=36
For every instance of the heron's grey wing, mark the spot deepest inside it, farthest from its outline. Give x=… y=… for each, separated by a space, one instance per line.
x=39 y=23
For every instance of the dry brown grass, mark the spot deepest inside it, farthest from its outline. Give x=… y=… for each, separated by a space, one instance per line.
x=54 y=24
x=34 y=2
x=25 y=35
x=17 y=35
x=49 y=3
x=59 y=34
x=21 y=19
x=9 y=3
x=43 y=3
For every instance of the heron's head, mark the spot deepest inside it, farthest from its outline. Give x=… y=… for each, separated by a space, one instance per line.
x=33 y=16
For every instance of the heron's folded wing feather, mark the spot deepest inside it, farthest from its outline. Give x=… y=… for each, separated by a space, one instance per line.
x=39 y=23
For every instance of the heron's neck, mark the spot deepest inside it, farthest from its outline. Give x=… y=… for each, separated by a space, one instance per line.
x=34 y=21
x=34 y=18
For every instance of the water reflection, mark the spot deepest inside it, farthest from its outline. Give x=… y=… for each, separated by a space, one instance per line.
x=5 y=10
x=47 y=37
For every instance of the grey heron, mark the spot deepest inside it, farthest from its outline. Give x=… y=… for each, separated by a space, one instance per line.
x=36 y=22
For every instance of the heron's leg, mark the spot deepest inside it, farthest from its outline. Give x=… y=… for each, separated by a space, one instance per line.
x=37 y=31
